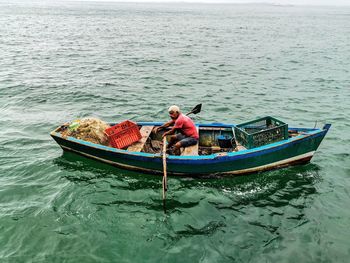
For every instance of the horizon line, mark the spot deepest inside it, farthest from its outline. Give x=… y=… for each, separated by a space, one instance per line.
x=213 y=2
x=295 y=3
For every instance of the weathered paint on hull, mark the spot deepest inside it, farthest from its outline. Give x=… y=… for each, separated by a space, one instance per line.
x=296 y=151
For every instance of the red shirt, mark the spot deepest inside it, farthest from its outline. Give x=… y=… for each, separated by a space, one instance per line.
x=187 y=126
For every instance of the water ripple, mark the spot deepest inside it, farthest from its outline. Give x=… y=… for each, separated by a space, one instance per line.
x=115 y=61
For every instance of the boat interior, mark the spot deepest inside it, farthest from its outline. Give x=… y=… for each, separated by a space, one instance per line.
x=212 y=140
x=220 y=140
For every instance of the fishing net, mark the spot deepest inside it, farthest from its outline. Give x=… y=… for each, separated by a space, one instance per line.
x=87 y=129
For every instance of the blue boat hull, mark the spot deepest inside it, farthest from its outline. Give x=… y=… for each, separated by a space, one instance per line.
x=295 y=150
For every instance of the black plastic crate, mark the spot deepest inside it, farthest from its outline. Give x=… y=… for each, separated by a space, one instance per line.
x=261 y=132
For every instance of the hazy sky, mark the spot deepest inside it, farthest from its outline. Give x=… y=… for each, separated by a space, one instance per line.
x=286 y=2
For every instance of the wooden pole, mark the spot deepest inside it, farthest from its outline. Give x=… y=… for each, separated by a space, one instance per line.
x=164 y=169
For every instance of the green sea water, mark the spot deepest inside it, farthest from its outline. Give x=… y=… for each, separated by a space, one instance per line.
x=62 y=60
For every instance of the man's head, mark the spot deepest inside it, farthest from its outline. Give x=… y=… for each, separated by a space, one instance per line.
x=174 y=112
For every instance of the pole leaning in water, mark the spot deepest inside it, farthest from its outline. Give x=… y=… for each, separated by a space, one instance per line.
x=164 y=170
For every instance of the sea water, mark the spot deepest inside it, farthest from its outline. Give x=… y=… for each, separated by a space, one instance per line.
x=61 y=61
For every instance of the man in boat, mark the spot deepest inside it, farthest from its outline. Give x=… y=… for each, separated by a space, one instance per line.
x=187 y=132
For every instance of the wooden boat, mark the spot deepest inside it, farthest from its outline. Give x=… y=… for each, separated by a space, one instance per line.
x=205 y=159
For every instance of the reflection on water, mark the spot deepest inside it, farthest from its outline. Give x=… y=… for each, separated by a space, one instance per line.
x=249 y=187
x=273 y=190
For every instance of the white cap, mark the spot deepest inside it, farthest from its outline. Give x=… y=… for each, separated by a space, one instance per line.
x=174 y=108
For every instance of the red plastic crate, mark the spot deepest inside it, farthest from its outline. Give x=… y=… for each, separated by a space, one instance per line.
x=123 y=134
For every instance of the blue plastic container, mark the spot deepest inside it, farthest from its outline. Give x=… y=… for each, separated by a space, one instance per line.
x=225 y=141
